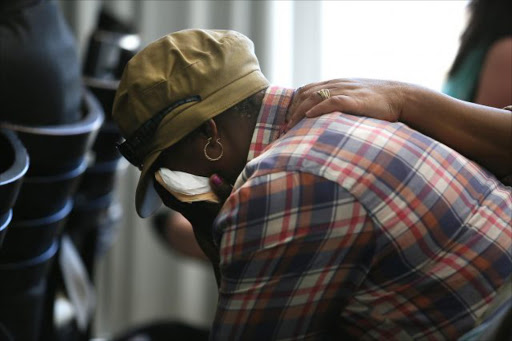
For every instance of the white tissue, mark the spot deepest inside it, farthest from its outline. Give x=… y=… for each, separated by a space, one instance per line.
x=185 y=183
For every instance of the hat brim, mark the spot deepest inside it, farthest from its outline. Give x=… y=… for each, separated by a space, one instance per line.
x=147 y=200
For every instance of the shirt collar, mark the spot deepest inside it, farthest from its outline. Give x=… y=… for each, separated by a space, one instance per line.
x=271 y=119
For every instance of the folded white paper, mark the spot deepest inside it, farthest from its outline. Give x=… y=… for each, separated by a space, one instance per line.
x=186 y=187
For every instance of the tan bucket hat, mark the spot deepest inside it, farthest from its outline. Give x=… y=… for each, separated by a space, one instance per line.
x=173 y=86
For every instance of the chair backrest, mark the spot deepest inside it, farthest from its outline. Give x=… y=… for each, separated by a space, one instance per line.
x=60 y=148
x=105 y=92
x=108 y=52
x=5 y=220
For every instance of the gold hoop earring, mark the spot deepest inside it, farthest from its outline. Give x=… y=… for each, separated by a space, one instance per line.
x=208 y=157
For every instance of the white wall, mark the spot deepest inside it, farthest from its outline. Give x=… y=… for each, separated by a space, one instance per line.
x=412 y=41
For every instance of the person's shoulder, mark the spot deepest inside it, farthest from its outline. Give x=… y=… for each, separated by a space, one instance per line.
x=495 y=84
x=313 y=143
x=500 y=51
x=309 y=139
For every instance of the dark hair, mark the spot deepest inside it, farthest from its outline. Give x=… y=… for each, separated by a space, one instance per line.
x=248 y=109
x=489 y=21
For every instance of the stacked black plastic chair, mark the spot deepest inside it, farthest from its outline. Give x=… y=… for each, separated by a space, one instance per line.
x=110 y=47
x=27 y=257
x=19 y=280
x=93 y=222
x=14 y=163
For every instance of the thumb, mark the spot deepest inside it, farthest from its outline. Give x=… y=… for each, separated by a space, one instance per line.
x=220 y=187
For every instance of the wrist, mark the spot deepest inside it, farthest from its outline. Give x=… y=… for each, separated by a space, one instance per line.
x=408 y=99
x=422 y=107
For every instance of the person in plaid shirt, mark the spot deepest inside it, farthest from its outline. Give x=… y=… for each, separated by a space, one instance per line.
x=342 y=227
x=363 y=227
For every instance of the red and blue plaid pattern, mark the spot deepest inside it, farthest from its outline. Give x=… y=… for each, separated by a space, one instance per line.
x=350 y=226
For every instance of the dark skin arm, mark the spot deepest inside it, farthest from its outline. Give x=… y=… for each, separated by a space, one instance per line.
x=481 y=133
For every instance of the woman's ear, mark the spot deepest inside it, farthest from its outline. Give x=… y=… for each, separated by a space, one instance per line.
x=209 y=129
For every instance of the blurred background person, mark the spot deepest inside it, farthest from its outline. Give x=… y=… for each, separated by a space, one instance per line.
x=176 y=232
x=482 y=69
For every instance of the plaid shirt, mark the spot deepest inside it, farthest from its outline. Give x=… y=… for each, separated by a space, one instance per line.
x=350 y=226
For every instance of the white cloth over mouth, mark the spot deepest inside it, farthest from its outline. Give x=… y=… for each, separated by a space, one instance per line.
x=186 y=187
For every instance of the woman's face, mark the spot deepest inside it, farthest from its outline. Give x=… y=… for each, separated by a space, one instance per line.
x=188 y=155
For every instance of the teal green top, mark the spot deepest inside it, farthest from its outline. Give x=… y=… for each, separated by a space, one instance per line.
x=463 y=84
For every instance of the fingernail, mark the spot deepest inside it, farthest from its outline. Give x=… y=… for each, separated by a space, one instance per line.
x=216 y=180
x=308 y=113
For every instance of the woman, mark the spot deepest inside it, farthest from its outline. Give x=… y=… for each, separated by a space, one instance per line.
x=481 y=70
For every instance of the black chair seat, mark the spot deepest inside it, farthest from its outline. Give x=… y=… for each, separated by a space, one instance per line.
x=20 y=276
x=21 y=312
x=41 y=196
x=88 y=214
x=105 y=92
x=28 y=238
x=60 y=148
x=5 y=220
x=100 y=179
x=14 y=164
x=99 y=223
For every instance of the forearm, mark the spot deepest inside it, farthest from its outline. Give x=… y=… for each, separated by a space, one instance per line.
x=180 y=236
x=483 y=134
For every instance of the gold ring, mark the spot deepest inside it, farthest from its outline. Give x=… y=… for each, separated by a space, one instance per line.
x=324 y=93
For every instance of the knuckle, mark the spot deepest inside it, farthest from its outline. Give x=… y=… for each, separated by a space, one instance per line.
x=303 y=95
x=300 y=91
x=337 y=100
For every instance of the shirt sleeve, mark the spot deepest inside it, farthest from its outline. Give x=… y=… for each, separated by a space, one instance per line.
x=294 y=247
